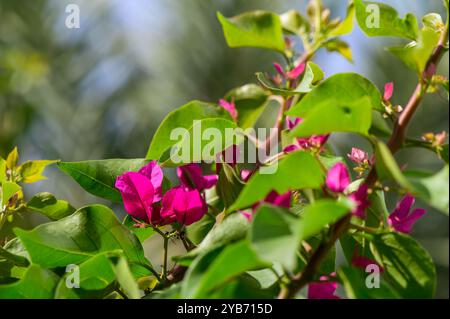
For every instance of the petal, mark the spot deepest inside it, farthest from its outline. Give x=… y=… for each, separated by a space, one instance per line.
x=137 y=193
x=210 y=180
x=295 y=72
x=230 y=107
x=403 y=207
x=245 y=174
x=189 y=206
x=388 y=91
x=405 y=225
x=338 y=178
x=322 y=290
x=154 y=172
x=191 y=176
x=291 y=148
x=276 y=199
x=279 y=68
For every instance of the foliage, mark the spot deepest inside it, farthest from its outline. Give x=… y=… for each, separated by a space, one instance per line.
x=249 y=233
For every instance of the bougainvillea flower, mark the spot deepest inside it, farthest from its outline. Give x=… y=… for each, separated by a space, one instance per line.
x=230 y=107
x=137 y=193
x=324 y=289
x=338 y=178
x=191 y=177
x=184 y=206
x=283 y=200
x=362 y=262
x=316 y=141
x=358 y=156
x=140 y=190
x=154 y=172
x=290 y=75
x=360 y=198
x=401 y=219
x=246 y=174
x=388 y=91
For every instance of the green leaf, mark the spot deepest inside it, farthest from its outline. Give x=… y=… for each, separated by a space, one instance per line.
x=232 y=228
x=297 y=170
x=182 y=118
x=259 y=29
x=293 y=22
x=76 y=238
x=409 y=268
x=353 y=117
x=415 y=55
x=141 y=233
x=432 y=189
x=95 y=274
x=31 y=171
x=229 y=185
x=354 y=281
x=389 y=22
x=48 y=205
x=250 y=101
x=8 y=191
x=274 y=235
x=2 y=170
x=312 y=75
x=339 y=46
x=320 y=214
x=207 y=272
x=339 y=91
x=125 y=278
x=12 y=159
x=193 y=146
x=346 y=25
x=37 y=283
x=387 y=167
x=433 y=21
x=98 y=177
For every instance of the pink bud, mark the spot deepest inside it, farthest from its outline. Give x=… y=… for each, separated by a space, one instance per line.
x=296 y=72
x=230 y=107
x=388 y=91
x=279 y=68
x=358 y=156
x=338 y=178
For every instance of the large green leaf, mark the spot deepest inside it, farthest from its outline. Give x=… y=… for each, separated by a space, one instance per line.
x=208 y=271
x=297 y=170
x=340 y=92
x=98 y=277
x=432 y=189
x=250 y=101
x=409 y=268
x=48 y=205
x=232 y=228
x=415 y=55
x=76 y=238
x=182 y=118
x=389 y=22
x=202 y=142
x=353 y=117
x=259 y=29
x=98 y=177
x=320 y=214
x=37 y=283
x=274 y=235
x=354 y=280
x=346 y=25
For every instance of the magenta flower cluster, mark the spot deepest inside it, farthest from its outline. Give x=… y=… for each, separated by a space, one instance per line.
x=143 y=196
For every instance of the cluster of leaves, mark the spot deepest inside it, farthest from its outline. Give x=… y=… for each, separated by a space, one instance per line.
x=279 y=250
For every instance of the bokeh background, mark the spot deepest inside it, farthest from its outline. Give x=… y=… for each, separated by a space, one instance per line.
x=101 y=91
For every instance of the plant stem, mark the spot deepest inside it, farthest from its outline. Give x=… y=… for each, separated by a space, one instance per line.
x=395 y=143
x=166 y=248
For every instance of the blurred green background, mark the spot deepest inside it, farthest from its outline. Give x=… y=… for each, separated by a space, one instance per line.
x=101 y=91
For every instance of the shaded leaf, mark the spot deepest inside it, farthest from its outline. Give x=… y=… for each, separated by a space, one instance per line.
x=48 y=205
